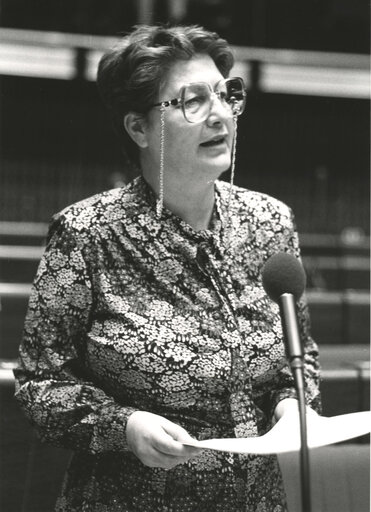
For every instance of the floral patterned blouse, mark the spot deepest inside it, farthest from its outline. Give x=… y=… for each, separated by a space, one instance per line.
x=129 y=312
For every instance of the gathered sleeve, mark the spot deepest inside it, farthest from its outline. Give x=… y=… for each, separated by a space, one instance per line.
x=53 y=385
x=285 y=387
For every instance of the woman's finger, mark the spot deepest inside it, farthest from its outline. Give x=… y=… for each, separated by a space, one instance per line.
x=156 y=441
x=167 y=445
x=171 y=439
x=154 y=458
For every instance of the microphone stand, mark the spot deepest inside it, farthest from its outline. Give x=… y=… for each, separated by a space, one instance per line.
x=295 y=356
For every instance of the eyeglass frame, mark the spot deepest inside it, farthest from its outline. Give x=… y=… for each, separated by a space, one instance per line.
x=180 y=101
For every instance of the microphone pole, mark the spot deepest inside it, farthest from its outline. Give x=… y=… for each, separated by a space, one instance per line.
x=294 y=353
x=283 y=279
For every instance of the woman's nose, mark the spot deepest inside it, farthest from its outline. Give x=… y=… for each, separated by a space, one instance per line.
x=218 y=111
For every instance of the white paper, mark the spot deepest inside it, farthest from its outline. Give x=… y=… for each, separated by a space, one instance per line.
x=285 y=435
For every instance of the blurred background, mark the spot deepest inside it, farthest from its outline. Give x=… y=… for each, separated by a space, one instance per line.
x=304 y=138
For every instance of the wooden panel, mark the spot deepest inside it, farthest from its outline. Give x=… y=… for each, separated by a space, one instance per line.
x=340 y=478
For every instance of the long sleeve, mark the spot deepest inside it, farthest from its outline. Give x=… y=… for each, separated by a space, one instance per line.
x=52 y=383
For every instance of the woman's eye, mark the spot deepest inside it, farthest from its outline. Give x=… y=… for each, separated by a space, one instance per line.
x=194 y=101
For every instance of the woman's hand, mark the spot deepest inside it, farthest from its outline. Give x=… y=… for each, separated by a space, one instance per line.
x=156 y=441
x=287 y=406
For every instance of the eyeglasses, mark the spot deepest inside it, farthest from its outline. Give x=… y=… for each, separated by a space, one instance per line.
x=196 y=99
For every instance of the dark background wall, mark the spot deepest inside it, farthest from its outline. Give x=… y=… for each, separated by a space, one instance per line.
x=323 y=25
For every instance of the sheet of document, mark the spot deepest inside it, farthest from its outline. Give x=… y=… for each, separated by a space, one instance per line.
x=285 y=435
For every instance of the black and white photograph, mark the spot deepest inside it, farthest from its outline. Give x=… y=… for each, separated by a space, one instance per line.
x=185 y=256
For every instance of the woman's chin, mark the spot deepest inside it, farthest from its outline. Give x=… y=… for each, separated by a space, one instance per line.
x=217 y=166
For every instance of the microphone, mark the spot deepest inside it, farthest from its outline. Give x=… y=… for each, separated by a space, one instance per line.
x=284 y=282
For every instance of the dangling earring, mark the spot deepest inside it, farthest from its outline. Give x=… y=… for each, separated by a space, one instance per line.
x=160 y=200
x=229 y=220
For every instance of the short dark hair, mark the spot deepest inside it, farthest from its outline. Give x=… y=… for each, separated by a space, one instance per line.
x=131 y=73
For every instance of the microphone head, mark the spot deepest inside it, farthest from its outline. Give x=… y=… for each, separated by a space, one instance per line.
x=283 y=273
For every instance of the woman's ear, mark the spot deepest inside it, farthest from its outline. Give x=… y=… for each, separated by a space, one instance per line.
x=135 y=125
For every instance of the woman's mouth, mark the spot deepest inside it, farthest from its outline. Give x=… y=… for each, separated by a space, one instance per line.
x=213 y=142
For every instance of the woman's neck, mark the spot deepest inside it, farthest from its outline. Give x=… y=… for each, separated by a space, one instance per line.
x=193 y=206
x=192 y=202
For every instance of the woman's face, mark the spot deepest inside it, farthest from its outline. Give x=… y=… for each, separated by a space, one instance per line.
x=186 y=154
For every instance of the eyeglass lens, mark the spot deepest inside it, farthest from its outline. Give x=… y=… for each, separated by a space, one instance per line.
x=196 y=98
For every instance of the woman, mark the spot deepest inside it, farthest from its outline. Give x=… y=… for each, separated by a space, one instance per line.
x=148 y=323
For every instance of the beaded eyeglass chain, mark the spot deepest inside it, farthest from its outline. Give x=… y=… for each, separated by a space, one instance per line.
x=160 y=200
